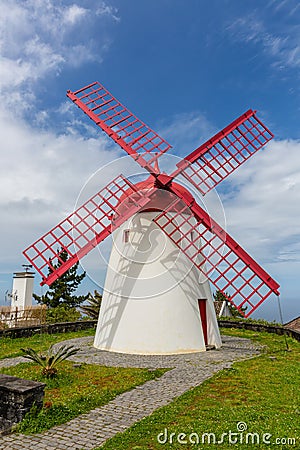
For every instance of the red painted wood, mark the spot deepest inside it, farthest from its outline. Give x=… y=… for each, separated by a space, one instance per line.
x=134 y=136
x=221 y=155
x=217 y=255
x=223 y=261
x=85 y=228
x=203 y=316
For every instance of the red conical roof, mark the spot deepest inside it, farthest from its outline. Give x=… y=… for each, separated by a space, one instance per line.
x=162 y=197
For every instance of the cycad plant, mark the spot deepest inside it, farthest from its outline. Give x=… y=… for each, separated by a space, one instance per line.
x=50 y=359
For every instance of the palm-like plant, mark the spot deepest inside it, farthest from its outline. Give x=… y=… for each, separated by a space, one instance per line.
x=50 y=359
x=93 y=307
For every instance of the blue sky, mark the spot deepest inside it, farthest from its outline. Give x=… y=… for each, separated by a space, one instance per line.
x=187 y=69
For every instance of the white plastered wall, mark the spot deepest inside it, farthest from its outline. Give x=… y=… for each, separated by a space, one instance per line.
x=150 y=298
x=22 y=290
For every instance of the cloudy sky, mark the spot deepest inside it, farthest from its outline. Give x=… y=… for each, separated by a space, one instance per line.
x=187 y=69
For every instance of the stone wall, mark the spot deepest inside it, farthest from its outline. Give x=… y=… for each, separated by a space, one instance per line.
x=50 y=328
x=86 y=324
x=17 y=396
x=260 y=327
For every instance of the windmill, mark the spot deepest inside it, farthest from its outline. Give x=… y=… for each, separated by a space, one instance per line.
x=167 y=250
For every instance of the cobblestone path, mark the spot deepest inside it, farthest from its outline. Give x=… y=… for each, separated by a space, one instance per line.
x=90 y=430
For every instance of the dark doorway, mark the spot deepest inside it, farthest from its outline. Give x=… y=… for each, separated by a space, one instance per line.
x=202 y=310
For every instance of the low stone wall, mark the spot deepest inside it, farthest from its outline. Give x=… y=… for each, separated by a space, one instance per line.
x=17 y=396
x=50 y=328
x=259 y=327
x=86 y=324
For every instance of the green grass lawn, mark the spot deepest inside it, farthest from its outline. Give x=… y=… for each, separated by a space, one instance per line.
x=76 y=390
x=10 y=347
x=263 y=393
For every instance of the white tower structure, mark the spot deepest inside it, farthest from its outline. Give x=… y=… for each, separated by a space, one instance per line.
x=22 y=289
x=153 y=291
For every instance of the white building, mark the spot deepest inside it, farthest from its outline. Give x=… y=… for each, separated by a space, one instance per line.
x=155 y=301
x=22 y=290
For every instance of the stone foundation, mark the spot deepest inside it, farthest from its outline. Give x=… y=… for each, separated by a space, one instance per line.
x=17 y=396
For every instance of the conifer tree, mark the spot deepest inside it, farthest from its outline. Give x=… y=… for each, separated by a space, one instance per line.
x=220 y=297
x=61 y=291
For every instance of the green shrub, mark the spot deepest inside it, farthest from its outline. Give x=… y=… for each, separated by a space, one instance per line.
x=62 y=314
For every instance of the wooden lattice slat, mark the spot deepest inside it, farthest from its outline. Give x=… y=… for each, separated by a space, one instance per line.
x=217 y=158
x=218 y=257
x=134 y=136
x=85 y=228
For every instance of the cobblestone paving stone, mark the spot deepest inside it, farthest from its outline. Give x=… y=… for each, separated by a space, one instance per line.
x=92 y=429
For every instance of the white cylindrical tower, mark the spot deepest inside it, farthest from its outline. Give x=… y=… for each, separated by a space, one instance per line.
x=153 y=295
x=22 y=290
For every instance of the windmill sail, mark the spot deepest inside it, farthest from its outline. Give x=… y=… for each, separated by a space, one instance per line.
x=85 y=228
x=135 y=137
x=218 y=157
x=219 y=258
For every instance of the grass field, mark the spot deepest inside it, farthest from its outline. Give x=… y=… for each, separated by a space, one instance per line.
x=261 y=394
x=76 y=390
x=10 y=347
x=69 y=394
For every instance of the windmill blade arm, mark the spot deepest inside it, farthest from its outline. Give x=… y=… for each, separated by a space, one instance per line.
x=73 y=258
x=134 y=136
x=217 y=255
x=85 y=228
x=218 y=157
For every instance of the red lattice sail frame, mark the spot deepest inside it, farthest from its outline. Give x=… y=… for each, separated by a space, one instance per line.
x=85 y=228
x=217 y=158
x=218 y=257
x=133 y=135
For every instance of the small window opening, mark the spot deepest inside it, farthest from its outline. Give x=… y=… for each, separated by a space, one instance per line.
x=126 y=236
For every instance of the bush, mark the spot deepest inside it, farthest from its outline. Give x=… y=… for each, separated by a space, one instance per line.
x=62 y=314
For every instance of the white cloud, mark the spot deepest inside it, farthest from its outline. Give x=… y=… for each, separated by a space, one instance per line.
x=108 y=10
x=34 y=44
x=42 y=56
x=41 y=175
x=74 y=13
x=186 y=131
x=262 y=204
x=40 y=37
x=43 y=168
x=281 y=45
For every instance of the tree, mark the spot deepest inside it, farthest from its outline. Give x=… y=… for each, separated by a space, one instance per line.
x=92 y=309
x=220 y=297
x=61 y=291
